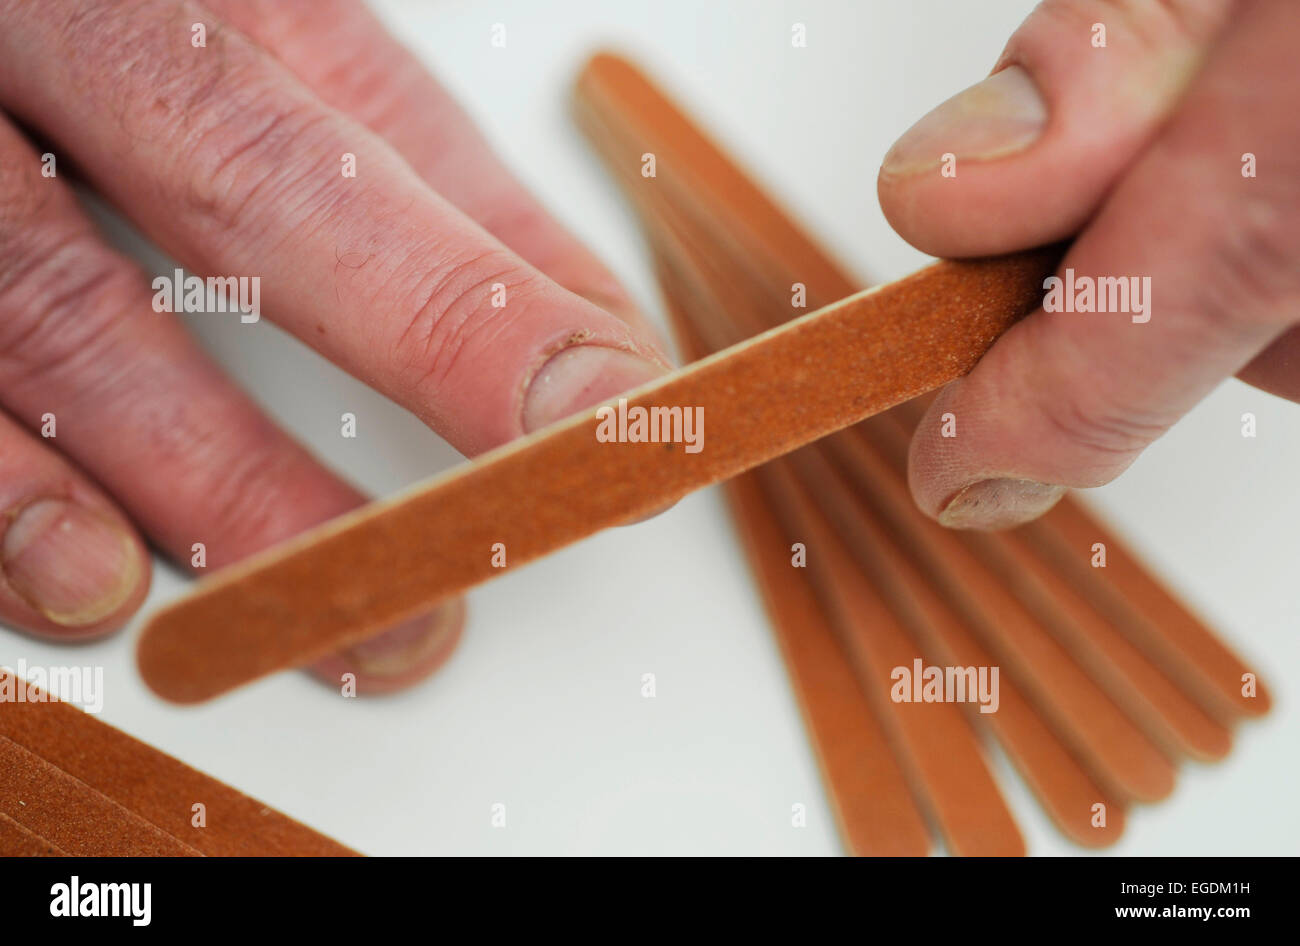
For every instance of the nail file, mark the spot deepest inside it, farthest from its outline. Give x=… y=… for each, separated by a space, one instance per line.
x=1066 y=695
x=1131 y=762
x=1062 y=783
x=1177 y=722
x=1070 y=794
x=389 y=561
x=869 y=795
x=612 y=94
x=18 y=841
x=628 y=117
x=1063 y=786
x=134 y=785
x=1165 y=628
x=49 y=802
x=1171 y=718
x=934 y=739
x=1123 y=758
x=704 y=215
x=1136 y=603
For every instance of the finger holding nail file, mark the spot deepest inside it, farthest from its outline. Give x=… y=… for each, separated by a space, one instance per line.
x=348 y=579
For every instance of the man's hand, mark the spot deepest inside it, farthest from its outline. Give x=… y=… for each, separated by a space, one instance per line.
x=1174 y=151
x=229 y=154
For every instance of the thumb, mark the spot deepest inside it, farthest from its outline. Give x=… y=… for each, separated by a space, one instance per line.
x=1070 y=397
x=1024 y=157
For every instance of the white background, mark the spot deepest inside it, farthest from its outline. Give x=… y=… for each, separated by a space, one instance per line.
x=540 y=709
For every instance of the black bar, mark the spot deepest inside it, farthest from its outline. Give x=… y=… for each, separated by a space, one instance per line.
x=211 y=895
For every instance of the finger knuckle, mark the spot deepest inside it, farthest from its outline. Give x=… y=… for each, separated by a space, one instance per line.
x=238 y=147
x=249 y=507
x=269 y=159
x=451 y=312
x=1249 y=275
x=1105 y=433
x=231 y=478
x=60 y=301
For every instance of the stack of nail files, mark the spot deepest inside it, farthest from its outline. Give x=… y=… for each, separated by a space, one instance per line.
x=73 y=786
x=1106 y=681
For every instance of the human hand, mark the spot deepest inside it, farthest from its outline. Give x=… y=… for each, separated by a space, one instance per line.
x=1172 y=152
x=231 y=155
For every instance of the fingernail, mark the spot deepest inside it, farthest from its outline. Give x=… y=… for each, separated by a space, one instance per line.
x=999 y=504
x=409 y=645
x=999 y=116
x=397 y=658
x=73 y=565
x=580 y=377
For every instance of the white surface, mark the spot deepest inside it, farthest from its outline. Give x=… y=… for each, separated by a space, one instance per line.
x=541 y=709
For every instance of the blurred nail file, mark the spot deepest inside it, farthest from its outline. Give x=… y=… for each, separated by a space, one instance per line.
x=70 y=784
x=359 y=574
